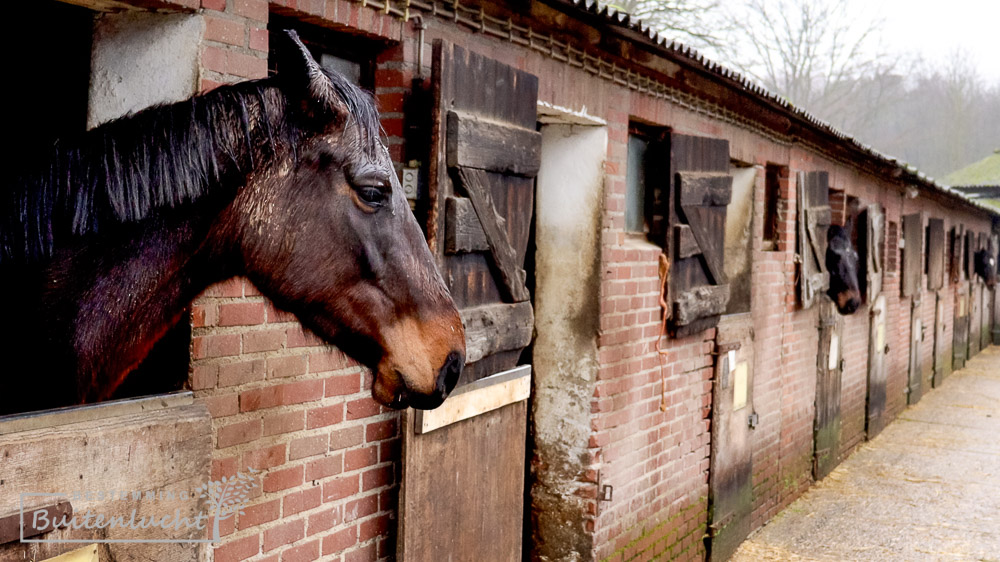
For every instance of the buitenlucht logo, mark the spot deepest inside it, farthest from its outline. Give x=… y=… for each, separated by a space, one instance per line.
x=138 y=516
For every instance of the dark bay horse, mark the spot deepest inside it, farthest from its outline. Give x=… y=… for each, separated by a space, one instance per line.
x=842 y=263
x=105 y=240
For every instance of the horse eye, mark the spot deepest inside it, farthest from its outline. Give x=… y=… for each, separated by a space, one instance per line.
x=371 y=195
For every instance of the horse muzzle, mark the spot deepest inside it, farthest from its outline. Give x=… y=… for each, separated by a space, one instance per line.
x=404 y=397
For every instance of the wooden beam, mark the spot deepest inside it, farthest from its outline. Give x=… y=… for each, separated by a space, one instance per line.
x=706 y=300
x=474 y=142
x=687 y=246
x=484 y=395
x=477 y=185
x=705 y=189
x=495 y=328
x=462 y=232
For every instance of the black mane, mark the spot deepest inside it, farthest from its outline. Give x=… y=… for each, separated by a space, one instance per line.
x=159 y=158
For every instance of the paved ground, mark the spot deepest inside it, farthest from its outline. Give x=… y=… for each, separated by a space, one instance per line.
x=927 y=488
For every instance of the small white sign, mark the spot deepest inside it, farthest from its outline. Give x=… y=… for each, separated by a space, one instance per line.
x=834 y=352
x=740 y=386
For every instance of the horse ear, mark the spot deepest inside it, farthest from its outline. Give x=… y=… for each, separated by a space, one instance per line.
x=304 y=81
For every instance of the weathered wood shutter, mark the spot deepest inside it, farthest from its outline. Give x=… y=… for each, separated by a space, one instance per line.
x=463 y=464
x=814 y=216
x=913 y=250
x=871 y=241
x=826 y=425
x=700 y=189
x=935 y=254
x=970 y=255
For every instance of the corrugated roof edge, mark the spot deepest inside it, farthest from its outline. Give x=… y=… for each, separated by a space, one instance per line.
x=675 y=48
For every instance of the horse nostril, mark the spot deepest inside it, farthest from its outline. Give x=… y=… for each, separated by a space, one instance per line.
x=448 y=375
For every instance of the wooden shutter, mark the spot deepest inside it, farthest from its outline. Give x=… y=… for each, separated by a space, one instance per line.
x=935 y=254
x=871 y=241
x=913 y=249
x=700 y=189
x=814 y=215
x=970 y=255
x=463 y=464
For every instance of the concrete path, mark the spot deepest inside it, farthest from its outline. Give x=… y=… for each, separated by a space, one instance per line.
x=927 y=488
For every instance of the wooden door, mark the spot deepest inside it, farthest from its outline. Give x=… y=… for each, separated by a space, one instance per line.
x=914 y=387
x=814 y=215
x=700 y=189
x=960 y=339
x=942 y=363
x=975 y=316
x=871 y=240
x=463 y=464
x=730 y=472
x=913 y=252
x=826 y=427
x=878 y=348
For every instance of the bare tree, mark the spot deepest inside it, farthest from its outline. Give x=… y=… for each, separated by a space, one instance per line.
x=812 y=52
x=698 y=23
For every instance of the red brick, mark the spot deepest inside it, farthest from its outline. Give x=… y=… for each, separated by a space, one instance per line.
x=242 y=432
x=302 y=553
x=283 y=423
x=322 y=468
x=297 y=337
x=241 y=314
x=266 y=340
x=259 y=514
x=361 y=508
x=224 y=30
x=203 y=315
x=203 y=347
x=259 y=399
x=208 y=85
x=307 y=447
x=373 y=528
x=378 y=431
x=221 y=406
x=301 y=391
x=283 y=534
x=323 y=521
x=204 y=376
x=229 y=288
x=362 y=408
x=259 y=42
x=253 y=9
x=340 y=488
x=389 y=451
x=218 y=5
x=304 y=500
x=232 y=374
x=391 y=102
x=340 y=541
x=238 y=549
x=263 y=459
x=330 y=360
x=347 y=437
x=223 y=467
x=340 y=385
x=327 y=415
x=283 y=479
x=214 y=58
x=276 y=316
x=279 y=367
x=364 y=554
x=377 y=477
x=360 y=458
x=392 y=78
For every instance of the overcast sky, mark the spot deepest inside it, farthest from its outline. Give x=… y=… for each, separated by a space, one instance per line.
x=935 y=29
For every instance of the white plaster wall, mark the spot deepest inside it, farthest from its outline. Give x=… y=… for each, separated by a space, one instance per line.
x=568 y=205
x=140 y=59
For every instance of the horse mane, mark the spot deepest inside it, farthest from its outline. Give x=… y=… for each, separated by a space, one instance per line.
x=162 y=157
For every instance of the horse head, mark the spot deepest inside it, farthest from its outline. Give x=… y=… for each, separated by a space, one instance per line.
x=842 y=264
x=986 y=266
x=327 y=234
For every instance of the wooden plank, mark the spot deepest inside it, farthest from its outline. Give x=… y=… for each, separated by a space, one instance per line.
x=813 y=219
x=707 y=300
x=494 y=328
x=935 y=254
x=463 y=233
x=875 y=418
x=471 y=400
x=476 y=142
x=53 y=510
x=89 y=412
x=826 y=425
x=705 y=189
x=685 y=241
x=913 y=249
x=477 y=185
x=955 y=254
